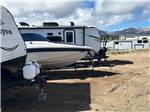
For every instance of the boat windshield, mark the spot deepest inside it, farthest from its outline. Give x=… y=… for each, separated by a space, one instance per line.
x=33 y=37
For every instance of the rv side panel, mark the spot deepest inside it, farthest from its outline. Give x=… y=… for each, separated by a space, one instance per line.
x=92 y=38
x=11 y=44
x=79 y=36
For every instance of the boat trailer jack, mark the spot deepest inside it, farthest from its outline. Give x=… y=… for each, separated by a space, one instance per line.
x=42 y=96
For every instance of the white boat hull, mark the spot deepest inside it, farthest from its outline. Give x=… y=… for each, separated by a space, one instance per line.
x=53 y=60
x=54 y=55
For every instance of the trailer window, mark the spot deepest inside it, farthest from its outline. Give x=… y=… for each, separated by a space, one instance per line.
x=59 y=33
x=116 y=42
x=33 y=37
x=54 y=38
x=144 y=38
x=49 y=33
x=139 y=41
x=69 y=36
x=145 y=41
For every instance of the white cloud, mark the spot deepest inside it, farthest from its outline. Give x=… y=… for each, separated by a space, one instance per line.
x=146 y=11
x=117 y=6
x=59 y=8
x=88 y=17
x=104 y=13
x=117 y=19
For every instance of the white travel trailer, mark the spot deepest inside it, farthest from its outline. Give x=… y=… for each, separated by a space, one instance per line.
x=13 y=51
x=128 y=44
x=73 y=34
x=135 y=37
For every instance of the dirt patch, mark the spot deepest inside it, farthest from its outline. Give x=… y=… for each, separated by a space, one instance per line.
x=123 y=88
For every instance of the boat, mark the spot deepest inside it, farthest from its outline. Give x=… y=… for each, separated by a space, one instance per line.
x=52 y=55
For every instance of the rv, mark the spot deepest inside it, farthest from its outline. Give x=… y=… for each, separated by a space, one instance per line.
x=73 y=34
x=13 y=53
x=135 y=44
x=13 y=49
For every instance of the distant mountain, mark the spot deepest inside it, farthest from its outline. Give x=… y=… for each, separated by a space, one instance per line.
x=133 y=31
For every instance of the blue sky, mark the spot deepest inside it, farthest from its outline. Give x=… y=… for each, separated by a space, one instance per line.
x=108 y=15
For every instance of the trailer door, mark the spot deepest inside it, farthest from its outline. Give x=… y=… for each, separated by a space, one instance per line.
x=69 y=36
x=116 y=45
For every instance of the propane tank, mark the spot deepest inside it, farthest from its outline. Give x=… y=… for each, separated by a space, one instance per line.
x=31 y=70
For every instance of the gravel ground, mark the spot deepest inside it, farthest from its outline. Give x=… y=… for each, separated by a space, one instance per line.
x=122 y=88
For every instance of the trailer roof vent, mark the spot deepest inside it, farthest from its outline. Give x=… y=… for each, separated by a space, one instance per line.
x=72 y=23
x=23 y=24
x=46 y=24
